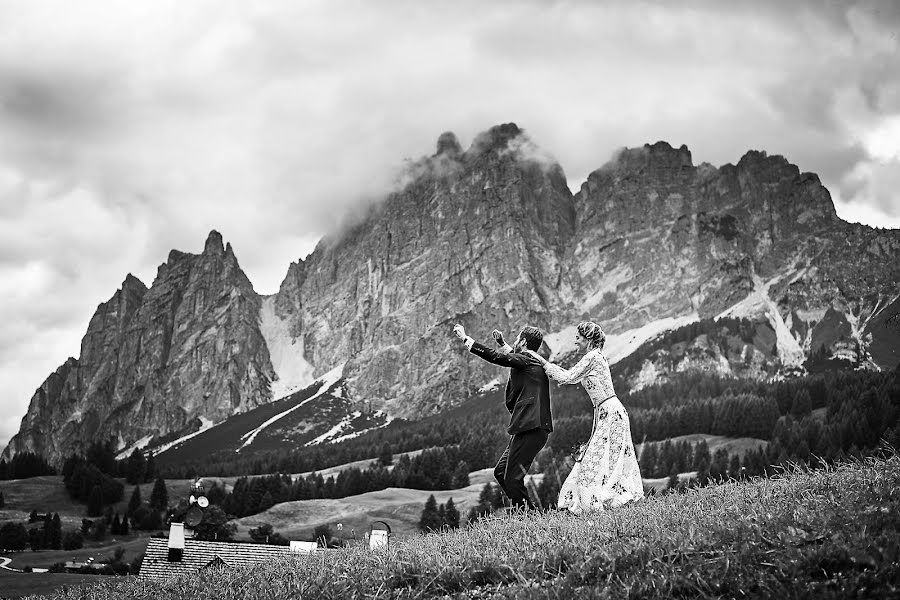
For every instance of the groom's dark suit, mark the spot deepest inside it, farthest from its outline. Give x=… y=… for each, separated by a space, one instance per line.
x=530 y=422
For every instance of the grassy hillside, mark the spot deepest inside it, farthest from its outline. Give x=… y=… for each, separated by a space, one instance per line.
x=48 y=493
x=16 y=585
x=827 y=534
x=399 y=507
x=714 y=442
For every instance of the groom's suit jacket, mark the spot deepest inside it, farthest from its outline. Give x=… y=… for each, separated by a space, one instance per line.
x=527 y=391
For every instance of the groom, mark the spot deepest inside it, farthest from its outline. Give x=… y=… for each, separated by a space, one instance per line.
x=528 y=402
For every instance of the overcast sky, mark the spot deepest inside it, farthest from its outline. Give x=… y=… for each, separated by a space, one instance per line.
x=131 y=128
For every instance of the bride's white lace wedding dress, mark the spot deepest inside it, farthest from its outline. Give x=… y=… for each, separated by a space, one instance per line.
x=608 y=475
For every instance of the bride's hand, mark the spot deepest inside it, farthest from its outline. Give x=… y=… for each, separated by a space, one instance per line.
x=537 y=356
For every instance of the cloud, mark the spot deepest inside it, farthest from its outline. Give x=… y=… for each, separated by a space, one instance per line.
x=131 y=128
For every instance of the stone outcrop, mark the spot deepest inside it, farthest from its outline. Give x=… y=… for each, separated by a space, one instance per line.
x=154 y=361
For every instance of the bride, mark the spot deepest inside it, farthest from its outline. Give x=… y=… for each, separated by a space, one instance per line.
x=607 y=473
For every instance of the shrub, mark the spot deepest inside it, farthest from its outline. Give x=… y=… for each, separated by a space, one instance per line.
x=72 y=540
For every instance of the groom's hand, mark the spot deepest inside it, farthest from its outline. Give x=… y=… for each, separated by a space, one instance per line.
x=498 y=337
x=460 y=332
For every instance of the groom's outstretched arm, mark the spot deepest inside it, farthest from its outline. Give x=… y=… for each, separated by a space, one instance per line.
x=517 y=361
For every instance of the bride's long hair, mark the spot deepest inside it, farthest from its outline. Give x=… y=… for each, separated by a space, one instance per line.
x=593 y=333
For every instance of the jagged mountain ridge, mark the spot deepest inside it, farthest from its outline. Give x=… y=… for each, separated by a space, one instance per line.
x=153 y=361
x=489 y=237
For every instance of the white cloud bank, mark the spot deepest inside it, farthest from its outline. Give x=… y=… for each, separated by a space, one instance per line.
x=131 y=128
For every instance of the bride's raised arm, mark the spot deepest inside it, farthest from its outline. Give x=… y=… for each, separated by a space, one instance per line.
x=568 y=376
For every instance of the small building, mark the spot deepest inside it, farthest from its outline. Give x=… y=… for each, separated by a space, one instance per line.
x=73 y=566
x=177 y=555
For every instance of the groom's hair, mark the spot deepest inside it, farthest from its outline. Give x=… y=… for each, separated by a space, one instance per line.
x=533 y=337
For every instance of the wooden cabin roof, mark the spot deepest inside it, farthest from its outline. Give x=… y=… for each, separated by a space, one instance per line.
x=199 y=554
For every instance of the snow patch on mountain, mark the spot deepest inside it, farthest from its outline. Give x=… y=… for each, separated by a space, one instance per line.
x=326 y=381
x=620 y=345
x=285 y=352
x=561 y=342
x=350 y=436
x=491 y=385
x=138 y=445
x=758 y=302
x=204 y=425
x=342 y=425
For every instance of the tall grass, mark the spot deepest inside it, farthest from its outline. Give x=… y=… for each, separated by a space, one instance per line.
x=829 y=533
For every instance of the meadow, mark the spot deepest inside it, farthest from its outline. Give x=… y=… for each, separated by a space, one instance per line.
x=826 y=533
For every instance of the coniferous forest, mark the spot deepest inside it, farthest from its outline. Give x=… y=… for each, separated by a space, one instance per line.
x=806 y=419
x=824 y=414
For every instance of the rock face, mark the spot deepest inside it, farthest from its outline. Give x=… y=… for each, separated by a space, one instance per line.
x=492 y=237
x=658 y=237
x=476 y=237
x=153 y=361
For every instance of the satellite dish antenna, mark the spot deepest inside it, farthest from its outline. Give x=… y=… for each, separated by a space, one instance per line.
x=191 y=500
x=202 y=502
x=194 y=516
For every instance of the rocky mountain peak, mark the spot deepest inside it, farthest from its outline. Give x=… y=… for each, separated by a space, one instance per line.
x=157 y=360
x=175 y=256
x=766 y=167
x=214 y=244
x=448 y=144
x=496 y=139
x=132 y=284
x=651 y=159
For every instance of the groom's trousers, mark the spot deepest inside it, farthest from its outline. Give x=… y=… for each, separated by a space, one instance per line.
x=514 y=464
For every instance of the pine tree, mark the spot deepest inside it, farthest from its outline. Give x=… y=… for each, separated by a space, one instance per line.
x=2 y=501
x=159 y=497
x=150 y=469
x=442 y=515
x=484 y=504
x=386 y=457
x=647 y=462
x=266 y=502
x=54 y=538
x=123 y=526
x=734 y=467
x=116 y=526
x=135 y=467
x=672 y=482
x=460 y=477
x=135 y=502
x=802 y=404
x=451 y=515
x=36 y=538
x=496 y=497
x=701 y=457
x=429 y=521
x=719 y=466
x=95 y=502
